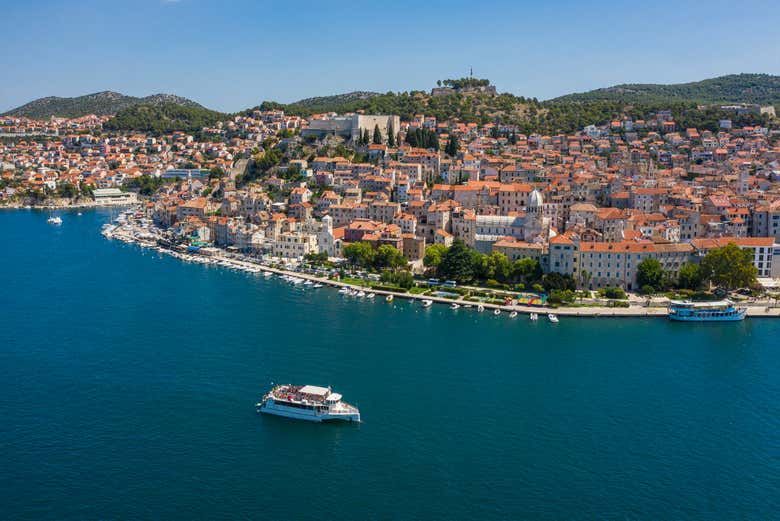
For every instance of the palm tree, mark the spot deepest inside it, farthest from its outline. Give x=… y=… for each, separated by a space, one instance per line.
x=585 y=276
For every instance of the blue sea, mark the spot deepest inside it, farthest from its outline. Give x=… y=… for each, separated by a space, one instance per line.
x=128 y=381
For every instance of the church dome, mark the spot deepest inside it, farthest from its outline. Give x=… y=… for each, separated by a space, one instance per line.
x=535 y=199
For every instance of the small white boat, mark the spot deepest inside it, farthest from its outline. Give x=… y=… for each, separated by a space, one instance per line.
x=534 y=317
x=318 y=286
x=513 y=314
x=496 y=311
x=371 y=295
x=552 y=318
x=427 y=303
x=78 y=213
x=268 y=274
x=480 y=308
x=54 y=220
x=361 y=294
x=454 y=306
x=468 y=306
x=389 y=298
x=344 y=291
x=308 y=283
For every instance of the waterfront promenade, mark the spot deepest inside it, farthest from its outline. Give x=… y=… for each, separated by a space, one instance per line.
x=634 y=311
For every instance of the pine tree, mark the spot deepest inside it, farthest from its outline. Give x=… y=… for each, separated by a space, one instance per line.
x=453 y=146
x=434 y=140
x=364 y=137
x=390 y=136
x=377 y=135
x=411 y=138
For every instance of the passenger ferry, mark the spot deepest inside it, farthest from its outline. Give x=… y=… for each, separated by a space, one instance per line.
x=720 y=311
x=307 y=402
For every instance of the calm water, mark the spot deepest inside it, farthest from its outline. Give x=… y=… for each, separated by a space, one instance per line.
x=128 y=382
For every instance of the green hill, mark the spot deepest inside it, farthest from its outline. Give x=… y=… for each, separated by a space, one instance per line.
x=164 y=117
x=469 y=107
x=761 y=89
x=336 y=99
x=99 y=103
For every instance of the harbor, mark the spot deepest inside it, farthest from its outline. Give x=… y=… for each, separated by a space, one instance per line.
x=162 y=362
x=144 y=234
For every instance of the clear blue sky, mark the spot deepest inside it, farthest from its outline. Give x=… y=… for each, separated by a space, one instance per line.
x=230 y=55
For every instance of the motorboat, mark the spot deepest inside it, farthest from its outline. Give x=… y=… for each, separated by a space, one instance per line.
x=552 y=318
x=307 y=402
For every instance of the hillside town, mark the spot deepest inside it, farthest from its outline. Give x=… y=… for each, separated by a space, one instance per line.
x=590 y=206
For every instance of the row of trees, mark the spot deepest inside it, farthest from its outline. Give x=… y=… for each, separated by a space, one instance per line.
x=462 y=83
x=363 y=254
x=453 y=146
x=365 y=138
x=729 y=267
x=465 y=265
x=423 y=138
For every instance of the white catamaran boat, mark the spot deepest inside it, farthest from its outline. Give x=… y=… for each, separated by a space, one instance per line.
x=307 y=402
x=721 y=311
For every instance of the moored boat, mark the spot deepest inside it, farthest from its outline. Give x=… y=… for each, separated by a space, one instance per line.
x=552 y=318
x=513 y=314
x=389 y=298
x=54 y=220
x=720 y=311
x=307 y=402
x=496 y=311
x=427 y=303
x=454 y=305
x=534 y=316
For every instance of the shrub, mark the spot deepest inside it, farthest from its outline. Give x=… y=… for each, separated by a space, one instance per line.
x=561 y=296
x=613 y=293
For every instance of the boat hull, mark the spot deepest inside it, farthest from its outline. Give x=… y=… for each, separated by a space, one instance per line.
x=730 y=318
x=306 y=415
